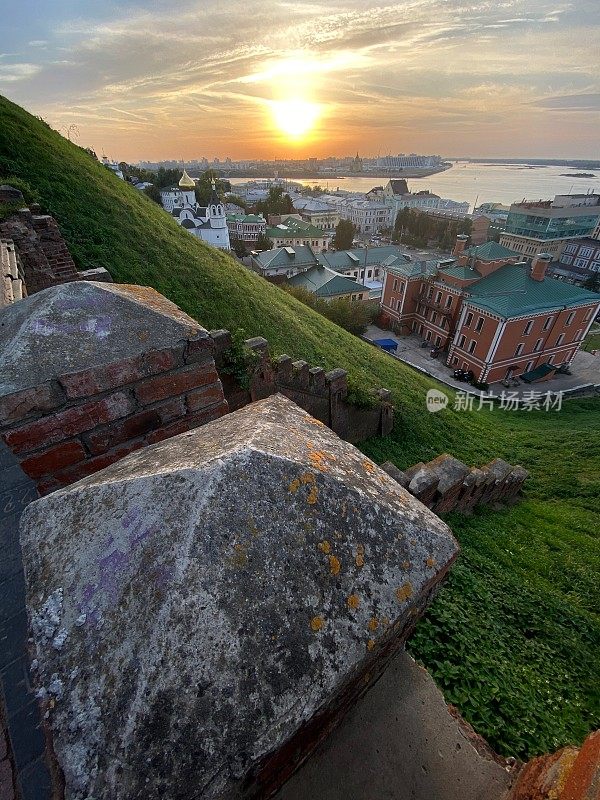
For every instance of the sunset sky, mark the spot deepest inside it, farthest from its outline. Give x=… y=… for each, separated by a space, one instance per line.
x=258 y=79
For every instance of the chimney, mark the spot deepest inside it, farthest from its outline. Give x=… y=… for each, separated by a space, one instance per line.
x=461 y=242
x=539 y=265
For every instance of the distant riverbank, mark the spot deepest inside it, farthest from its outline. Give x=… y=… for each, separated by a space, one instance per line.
x=474 y=183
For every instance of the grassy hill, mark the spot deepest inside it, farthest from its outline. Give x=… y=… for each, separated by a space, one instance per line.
x=514 y=636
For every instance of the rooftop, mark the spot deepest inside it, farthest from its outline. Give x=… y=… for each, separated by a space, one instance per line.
x=361 y=256
x=324 y=282
x=490 y=251
x=292 y=228
x=511 y=292
x=287 y=257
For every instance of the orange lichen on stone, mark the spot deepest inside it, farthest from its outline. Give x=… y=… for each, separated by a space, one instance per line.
x=316 y=624
x=312 y=496
x=324 y=546
x=353 y=601
x=431 y=562
x=360 y=556
x=385 y=621
x=370 y=644
x=404 y=592
x=368 y=466
x=334 y=565
x=294 y=485
x=373 y=624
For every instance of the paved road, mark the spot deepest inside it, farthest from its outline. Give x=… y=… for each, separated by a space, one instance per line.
x=585 y=368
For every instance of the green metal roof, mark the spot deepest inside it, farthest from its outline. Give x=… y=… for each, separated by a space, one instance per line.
x=245 y=218
x=412 y=269
x=463 y=272
x=490 y=251
x=358 y=257
x=511 y=292
x=303 y=256
x=293 y=229
x=325 y=282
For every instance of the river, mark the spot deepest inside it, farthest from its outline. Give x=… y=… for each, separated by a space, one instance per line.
x=497 y=183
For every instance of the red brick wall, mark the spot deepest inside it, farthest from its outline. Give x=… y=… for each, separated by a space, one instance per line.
x=81 y=422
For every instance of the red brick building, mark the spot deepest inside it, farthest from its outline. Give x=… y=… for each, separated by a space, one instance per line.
x=488 y=312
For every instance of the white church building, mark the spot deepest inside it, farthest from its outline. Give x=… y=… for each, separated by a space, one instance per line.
x=207 y=223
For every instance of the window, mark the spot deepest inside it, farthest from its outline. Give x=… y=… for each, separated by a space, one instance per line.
x=560 y=339
x=548 y=323
x=438 y=297
x=395 y=286
x=428 y=337
x=578 y=335
x=455 y=360
x=461 y=341
x=528 y=328
x=570 y=318
x=434 y=318
x=479 y=325
x=472 y=345
x=469 y=319
x=449 y=301
x=438 y=341
x=519 y=349
x=538 y=346
x=529 y=366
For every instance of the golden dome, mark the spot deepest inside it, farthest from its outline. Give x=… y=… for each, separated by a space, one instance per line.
x=186 y=182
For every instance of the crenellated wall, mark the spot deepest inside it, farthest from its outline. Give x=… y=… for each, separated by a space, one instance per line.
x=323 y=394
x=446 y=484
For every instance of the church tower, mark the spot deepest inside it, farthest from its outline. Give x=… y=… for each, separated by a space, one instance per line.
x=217 y=220
x=187 y=186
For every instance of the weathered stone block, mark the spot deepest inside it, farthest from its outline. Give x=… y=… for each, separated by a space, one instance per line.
x=205 y=610
x=395 y=473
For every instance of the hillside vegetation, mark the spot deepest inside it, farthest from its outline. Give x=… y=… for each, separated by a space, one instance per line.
x=514 y=637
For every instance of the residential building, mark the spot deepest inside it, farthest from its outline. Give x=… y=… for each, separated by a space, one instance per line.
x=397 y=196
x=546 y=225
x=283 y=262
x=316 y=212
x=329 y=285
x=207 y=223
x=367 y=216
x=364 y=264
x=246 y=227
x=489 y=312
x=292 y=231
x=480 y=224
x=578 y=262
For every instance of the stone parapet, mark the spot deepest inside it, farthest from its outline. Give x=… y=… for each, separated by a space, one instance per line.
x=205 y=611
x=446 y=484
x=122 y=368
x=323 y=394
x=12 y=285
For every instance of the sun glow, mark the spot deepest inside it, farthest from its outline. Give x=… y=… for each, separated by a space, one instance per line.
x=295 y=117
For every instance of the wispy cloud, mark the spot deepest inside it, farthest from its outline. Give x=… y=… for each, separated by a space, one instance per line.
x=466 y=77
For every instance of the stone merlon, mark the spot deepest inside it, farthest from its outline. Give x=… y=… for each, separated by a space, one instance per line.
x=206 y=609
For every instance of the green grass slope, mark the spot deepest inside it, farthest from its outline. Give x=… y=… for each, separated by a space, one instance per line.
x=514 y=636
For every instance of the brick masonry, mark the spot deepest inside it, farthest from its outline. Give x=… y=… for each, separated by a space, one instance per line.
x=323 y=394
x=446 y=484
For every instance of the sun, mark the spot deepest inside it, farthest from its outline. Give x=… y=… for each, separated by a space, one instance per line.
x=295 y=117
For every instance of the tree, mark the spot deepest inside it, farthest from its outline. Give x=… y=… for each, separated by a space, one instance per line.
x=264 y=243
x=277 y=203
x=239 y=247
x=153 y=192
x=236 y=201
x=344 y=235
x=203 y=189
x=593 y=283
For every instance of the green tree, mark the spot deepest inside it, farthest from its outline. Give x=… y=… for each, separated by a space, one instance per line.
x=153 y=192
x=276 y=203
x=203 y=188
x=344 y=235
x=264 y=243
x=237 y=201
x=239 y=247
x=593 y=283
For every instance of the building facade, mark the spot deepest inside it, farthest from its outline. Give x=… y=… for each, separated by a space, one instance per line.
x=546 y=225
x=578 y=262
x=246 y=228
x=489 y=312
x=208 y=223
x=316 y=212
x=293 y=232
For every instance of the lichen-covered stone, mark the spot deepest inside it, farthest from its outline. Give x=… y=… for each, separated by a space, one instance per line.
x=205 y=602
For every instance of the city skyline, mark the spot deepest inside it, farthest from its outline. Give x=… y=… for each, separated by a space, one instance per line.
x=262 y=81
